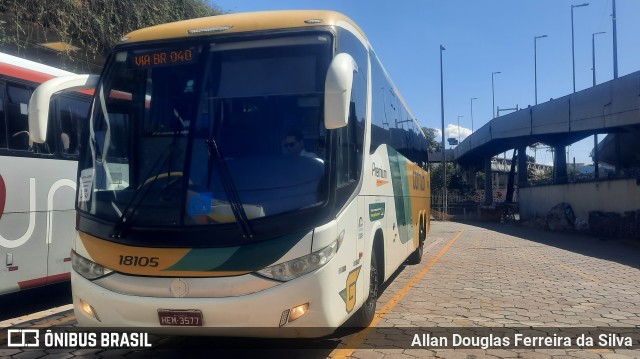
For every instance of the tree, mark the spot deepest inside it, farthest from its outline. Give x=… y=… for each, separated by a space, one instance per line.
x=544 y=177
x=436 y=175
x=432 y=142
x=92 y=25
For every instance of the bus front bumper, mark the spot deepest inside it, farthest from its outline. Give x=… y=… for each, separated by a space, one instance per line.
x=259 y=314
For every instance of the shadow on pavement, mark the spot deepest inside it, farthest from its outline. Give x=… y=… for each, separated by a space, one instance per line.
x=622 y=251
x=34 y=300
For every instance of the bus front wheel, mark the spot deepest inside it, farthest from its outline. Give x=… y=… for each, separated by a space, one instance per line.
x=363 y=317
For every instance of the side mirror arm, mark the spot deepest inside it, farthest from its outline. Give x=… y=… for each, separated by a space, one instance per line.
x=41 y=99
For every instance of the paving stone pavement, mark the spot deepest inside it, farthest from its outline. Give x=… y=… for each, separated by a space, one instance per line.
x=473 y=278
x=511 y=276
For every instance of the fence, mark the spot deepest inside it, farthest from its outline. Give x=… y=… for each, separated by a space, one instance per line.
x=463 y=205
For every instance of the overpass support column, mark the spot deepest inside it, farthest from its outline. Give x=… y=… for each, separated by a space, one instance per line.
x=511 y=179
x=618 y=149
x=523 y=170
x=488 y=181
x=560 y=165
x=470 y=176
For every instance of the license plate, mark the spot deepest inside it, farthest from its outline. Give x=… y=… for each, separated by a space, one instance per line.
x=180 y=318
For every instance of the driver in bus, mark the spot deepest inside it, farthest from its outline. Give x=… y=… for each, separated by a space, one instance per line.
x=293 y=144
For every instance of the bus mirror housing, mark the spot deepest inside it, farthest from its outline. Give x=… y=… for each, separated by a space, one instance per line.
x=41 y=98
x=337 y=91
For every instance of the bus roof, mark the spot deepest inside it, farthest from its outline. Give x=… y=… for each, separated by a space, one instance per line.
x=29 y=70
x=240 y=22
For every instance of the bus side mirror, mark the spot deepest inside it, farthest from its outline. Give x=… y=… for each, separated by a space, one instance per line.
x=337 y=91
x=41 y=98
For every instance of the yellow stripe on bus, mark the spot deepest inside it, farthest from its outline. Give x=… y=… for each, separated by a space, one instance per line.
x=110 y=255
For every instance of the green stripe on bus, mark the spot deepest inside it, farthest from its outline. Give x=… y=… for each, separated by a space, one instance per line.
x=400 y=181
x=249 y=257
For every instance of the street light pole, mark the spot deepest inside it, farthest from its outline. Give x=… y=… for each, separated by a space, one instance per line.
x=573 y=52
x=593 y=53
x=595 y=135
x=444 y=158
x=615 y=42
x=473 y=98
x=493 y=95
x=459 y=129
x=535 y=64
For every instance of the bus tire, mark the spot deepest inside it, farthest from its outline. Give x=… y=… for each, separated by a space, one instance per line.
x=363 y=317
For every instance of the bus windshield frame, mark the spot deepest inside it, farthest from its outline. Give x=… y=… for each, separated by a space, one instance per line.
x=163 y=109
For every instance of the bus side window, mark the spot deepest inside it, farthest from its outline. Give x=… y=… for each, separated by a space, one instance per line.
x=71 y=114
x=3 y=122
x=17 y=122
x=351 y=137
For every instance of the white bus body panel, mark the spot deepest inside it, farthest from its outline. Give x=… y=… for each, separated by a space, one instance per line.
x=35 y=242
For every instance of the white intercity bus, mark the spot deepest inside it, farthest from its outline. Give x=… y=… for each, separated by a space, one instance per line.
x=37 y=180
x=243 y=172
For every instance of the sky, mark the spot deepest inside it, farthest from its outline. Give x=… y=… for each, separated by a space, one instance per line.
x=482 y=37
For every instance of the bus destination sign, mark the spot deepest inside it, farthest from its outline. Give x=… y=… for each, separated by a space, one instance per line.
x=163 y=57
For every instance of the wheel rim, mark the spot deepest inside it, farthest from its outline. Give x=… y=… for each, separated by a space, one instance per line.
x=373 y=290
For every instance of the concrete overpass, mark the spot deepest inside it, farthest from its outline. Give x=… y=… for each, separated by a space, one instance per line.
x=611 y=108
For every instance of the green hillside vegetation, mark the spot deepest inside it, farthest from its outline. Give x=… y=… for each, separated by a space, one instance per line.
x=95 y=26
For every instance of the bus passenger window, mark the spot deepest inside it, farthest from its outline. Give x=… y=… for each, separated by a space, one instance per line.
x=71 y=116
x=3 y=123
x=17 y=111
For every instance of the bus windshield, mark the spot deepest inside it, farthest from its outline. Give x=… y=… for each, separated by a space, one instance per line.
x=202 y=132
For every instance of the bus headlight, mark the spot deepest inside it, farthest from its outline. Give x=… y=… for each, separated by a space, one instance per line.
x=86 y=268
x=300 y=266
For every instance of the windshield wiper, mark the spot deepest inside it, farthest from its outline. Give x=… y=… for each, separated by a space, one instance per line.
x=232 y=193
x=120 y=226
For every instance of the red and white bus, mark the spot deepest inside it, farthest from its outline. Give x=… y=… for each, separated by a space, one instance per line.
x=37 y=180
